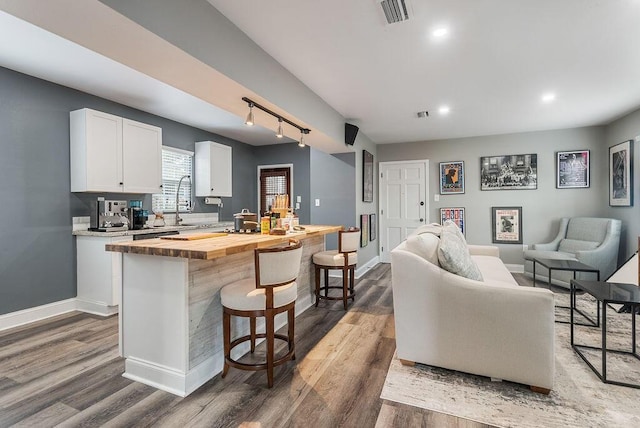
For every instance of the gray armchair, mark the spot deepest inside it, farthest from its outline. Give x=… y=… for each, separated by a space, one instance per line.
x=592 y=241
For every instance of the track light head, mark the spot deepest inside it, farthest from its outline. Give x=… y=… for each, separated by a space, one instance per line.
x=302 y=132
x=250 y=121
x=280 y=133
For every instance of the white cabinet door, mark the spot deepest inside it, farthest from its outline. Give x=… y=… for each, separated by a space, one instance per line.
x=96 y=151
x=213 y=165
x=142 y=157
x=99 y=274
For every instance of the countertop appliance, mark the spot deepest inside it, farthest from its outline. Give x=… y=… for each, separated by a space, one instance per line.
x=245 y=220
x=137 y=216
x=108 y=216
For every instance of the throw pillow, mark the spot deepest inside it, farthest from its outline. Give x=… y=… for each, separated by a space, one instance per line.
x=424 y=245
x=433 y=228
x=453 y=253
x=574 y=245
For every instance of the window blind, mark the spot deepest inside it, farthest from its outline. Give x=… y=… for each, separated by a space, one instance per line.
x=176 y=163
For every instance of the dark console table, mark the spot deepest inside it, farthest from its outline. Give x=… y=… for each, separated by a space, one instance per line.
x=607 y=292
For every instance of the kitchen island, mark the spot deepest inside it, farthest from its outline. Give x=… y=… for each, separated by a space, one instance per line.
x=170 y=313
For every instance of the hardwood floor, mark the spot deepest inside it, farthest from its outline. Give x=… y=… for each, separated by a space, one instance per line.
x=65 y=371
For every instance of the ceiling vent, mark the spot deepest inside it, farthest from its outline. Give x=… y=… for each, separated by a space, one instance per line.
x=395 y=10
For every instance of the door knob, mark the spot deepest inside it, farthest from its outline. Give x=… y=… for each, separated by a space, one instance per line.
x=421 y=203
x=421 y=220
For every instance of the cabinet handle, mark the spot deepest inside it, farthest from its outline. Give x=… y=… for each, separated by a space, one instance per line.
x=121 y=183
x=161 y=186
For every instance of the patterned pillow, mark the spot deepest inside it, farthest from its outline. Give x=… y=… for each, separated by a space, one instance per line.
x=453 y=253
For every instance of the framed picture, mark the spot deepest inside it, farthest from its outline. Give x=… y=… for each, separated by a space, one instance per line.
x=454 y=214
x=367 y=176
x=572 y=169
x=451 y=177
x=506 y=225
x=373 y=227
x=512 y=172
x=364 y=230
x=621 y=174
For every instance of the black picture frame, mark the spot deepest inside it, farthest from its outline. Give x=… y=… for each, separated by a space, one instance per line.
x=573 y=169
x=455 y=214
x=373 y=227
x=367 y=176
x=506 y=225
x=451 y=177
x=509 y=172
x=621 y=174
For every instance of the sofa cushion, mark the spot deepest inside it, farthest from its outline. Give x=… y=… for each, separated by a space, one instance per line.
x=544 y=254
x=453 y=253
x=424 y=245
x=573 y=245
x=494 y=270
x=433 y=228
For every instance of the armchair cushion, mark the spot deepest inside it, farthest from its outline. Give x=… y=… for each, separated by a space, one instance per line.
x=575 y=245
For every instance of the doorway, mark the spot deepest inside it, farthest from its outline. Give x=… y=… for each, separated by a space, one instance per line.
x=404 y=206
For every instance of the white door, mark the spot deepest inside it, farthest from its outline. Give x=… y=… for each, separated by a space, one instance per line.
x=403 y=202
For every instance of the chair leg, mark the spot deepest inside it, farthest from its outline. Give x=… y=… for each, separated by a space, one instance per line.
x=226 y=334
x=291 y=321
x=252 y=332
x=345 y=287
x=317 y=285
x=326 y=282
x=270 y=330
x=352 y=282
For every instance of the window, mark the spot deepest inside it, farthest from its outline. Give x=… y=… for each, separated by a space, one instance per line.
x=274 y=181
x=176 y=163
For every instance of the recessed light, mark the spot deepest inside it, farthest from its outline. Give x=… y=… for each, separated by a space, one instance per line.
x=444 y=110
x=440 y=32
x=548 y=97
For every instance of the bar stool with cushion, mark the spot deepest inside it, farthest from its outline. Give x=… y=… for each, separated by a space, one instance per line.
x=274 y=290
x=344 y=258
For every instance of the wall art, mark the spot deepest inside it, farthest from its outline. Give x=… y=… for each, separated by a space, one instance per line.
x=511 y=172
x=572 y=169
x=451 y=177
x=373 y=227
x=364 y=230
x=506 y=225
x=367 y=176
x=621 y=174
x=454 y=214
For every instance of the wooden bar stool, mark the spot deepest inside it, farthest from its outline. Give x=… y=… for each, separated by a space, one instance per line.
x=345 y=259
x=274 y=290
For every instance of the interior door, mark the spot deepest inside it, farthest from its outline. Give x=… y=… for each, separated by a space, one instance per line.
x=403 y=202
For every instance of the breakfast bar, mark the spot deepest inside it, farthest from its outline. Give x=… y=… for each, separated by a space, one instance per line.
x=170 y=312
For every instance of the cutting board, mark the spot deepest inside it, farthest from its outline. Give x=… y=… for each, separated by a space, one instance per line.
x=194 y=236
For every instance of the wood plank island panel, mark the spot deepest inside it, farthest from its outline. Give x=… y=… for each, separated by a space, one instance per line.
x=216 y=247
x=171 y=315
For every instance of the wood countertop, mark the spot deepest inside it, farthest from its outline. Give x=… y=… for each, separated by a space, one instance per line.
x=216 y=247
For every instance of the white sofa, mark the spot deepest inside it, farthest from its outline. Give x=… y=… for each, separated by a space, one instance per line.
x=492 y=328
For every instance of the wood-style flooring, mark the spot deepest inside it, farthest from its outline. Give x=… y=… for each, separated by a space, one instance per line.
x=65 y=371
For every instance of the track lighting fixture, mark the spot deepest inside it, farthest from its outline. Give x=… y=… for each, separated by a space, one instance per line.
x=280 y=133
x=250 y=120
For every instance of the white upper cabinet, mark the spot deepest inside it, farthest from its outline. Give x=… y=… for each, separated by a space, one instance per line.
x=112 y=154
x=213 y=169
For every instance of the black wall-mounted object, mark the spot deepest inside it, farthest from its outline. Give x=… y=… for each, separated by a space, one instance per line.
x=350 y=132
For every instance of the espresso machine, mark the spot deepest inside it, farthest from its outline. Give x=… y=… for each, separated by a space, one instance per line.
x=137 y=216
x=108 y=216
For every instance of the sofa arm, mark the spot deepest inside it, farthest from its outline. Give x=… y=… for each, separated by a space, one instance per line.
x=553 y=245
x=484 y=250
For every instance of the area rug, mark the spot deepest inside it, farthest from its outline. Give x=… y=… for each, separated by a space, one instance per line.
x=578 y=399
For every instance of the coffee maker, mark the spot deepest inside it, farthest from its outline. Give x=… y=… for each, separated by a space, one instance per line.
x=108 y=216
x=137 y=216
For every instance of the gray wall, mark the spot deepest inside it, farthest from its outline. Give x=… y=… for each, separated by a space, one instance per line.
x=288 y=154
x=541 y=208
x=37 y=253
x=624 y=129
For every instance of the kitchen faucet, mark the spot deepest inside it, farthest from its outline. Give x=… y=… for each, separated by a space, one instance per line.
x=178 y=219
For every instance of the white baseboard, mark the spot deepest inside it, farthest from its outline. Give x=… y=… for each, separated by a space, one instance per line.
x=96 y=308
x=515 y=268
x=26 y=316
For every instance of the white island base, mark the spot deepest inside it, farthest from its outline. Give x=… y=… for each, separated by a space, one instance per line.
x=171 y=315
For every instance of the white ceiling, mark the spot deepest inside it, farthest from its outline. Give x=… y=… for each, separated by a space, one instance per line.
x=497 y=61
